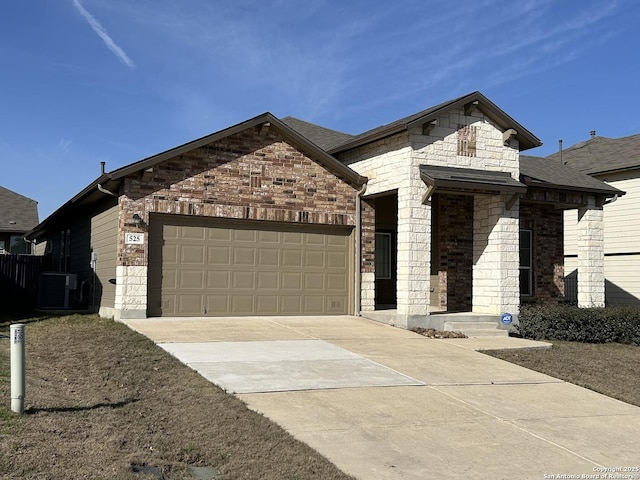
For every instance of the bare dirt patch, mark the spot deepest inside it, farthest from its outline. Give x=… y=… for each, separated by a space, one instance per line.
x=103 y=400
x=433 y=333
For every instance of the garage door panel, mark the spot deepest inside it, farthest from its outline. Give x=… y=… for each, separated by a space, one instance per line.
x=315 y=239
x=216 y=267
x=191 y=279
x=219 y=255
x=269 y=237
x=268 y=257
x=170 y=279
x=336 y=260
x=292 y=238
x=340 y=241
x=314 y=258
x=221 y=234
x=291 y=281
x=170 y=254
x=290 y=304
x=267 y=304
x=240 y=280
x=336 y=281
x=313 y=281
x=190 y=303
x=242 y=305
x=249 y=236
x=313 y=304
x=219 y=279
x=217 y=304
x=192 y=254
x=336 y=304
x=268 y=281
x=192 y=233
x=292 y=258
x=244 y=256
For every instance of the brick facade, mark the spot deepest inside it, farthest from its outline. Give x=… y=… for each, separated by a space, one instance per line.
x=243 y=176
x=546 y=225
x=453 y=252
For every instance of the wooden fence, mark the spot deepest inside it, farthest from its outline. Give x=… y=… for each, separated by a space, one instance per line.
x=19 y=281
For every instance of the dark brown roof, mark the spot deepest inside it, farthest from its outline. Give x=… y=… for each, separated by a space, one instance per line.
x=18 y=213
x=525 y=137
x=453 y=178
x=549 y=173
x=602 y=155
x=111 y=181
x=323 y=137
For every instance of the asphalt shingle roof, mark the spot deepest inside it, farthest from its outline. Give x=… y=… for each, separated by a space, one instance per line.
x=548 y=172
x=18 y=213
x=324 y=138
x=602 y=154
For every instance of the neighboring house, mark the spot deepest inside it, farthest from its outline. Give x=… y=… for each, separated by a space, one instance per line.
x=433 y=213
x=18 y=215
x=617 y=162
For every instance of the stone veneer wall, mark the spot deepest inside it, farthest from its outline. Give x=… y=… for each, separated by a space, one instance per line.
x=243 y=176
x=546 y=225
x=591 y=279
x=387 y=164
x=393 y=163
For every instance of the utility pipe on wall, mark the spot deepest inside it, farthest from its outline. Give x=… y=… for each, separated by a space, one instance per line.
x=17 y=367
x=358 y=259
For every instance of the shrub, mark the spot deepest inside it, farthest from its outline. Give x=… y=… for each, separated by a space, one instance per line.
x=591 y=325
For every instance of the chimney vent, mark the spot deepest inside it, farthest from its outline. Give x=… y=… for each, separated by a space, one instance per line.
x=102 y=164
x=592 y=133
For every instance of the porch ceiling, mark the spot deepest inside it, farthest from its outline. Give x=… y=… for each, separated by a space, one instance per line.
x=469 y=180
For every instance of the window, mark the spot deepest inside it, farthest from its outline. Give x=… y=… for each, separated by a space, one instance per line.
x=526 y=273
x=383 y=256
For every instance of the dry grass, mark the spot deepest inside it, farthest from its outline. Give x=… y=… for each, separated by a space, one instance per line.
x=609 y=368
x=101 y=398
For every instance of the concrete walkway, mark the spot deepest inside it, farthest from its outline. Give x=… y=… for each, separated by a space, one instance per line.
x=385 y=403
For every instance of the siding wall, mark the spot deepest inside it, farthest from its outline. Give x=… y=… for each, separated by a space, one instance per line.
x=621 y=241
x=104 y=234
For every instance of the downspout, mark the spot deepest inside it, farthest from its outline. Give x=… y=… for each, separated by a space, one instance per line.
x=358 y=260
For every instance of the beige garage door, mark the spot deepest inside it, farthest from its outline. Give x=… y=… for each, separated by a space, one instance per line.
x=216 y=268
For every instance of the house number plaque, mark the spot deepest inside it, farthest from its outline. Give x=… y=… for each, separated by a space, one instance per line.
x=133 y=238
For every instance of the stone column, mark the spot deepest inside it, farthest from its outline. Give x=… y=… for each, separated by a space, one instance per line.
x=496 y=257
x=131 y=292
x=591 y=255
x=414 y=256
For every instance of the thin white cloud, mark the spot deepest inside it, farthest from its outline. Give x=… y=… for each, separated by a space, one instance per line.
x=102 y=33
x=65 y=145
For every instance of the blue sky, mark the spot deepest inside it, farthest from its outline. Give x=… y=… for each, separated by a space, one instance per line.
x=84 y=81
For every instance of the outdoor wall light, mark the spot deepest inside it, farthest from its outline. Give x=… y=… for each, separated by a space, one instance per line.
x=137 y=219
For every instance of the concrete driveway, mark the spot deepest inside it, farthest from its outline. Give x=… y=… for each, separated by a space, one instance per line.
x=384 y=403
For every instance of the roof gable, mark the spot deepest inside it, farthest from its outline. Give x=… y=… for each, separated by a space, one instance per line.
x=109 y=182
x=17 y=212
x=264 y=121
x=525 y=137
